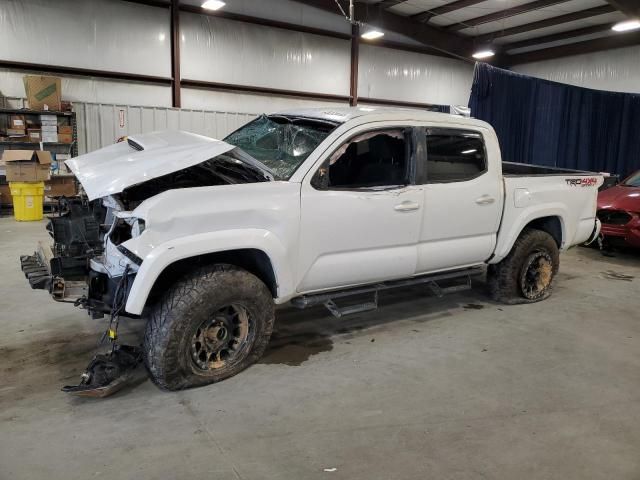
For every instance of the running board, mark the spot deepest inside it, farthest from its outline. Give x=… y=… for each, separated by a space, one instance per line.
x=329 y=299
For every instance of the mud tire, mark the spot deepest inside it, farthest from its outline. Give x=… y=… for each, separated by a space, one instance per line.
x=175 y=318
x=505 y=278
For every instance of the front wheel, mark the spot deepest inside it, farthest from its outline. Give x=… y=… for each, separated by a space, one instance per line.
x=526 y=275
x=209 y=326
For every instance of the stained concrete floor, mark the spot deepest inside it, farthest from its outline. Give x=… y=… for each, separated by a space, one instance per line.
x=424 y=388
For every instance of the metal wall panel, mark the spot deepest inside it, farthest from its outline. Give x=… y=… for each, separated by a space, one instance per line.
x=413 y=77
x=225 y=51
x=96 y=34
x=100 y=125
x=614 y=70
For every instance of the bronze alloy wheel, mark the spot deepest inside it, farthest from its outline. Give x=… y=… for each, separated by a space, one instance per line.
x=536 y=275
x=222 y=339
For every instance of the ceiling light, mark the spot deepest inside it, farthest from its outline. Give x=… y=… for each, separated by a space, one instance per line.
x=483 y=54
x=626 y=26
x=372 y=34
x=473 y=150
x=213 y=4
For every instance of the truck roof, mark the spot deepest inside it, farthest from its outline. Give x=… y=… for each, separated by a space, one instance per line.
x=346 y=114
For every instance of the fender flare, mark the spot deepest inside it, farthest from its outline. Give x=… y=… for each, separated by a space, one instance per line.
x=525 y=217
x=186 y=247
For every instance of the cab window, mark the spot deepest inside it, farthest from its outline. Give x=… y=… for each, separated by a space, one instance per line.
x=373 y=159
x=454 y=155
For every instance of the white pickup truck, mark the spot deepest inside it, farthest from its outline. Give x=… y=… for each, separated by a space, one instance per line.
x=204 y=237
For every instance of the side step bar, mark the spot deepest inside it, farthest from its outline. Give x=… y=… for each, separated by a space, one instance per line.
x=329 y=299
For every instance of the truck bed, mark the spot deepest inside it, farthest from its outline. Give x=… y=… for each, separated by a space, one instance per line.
x=513 y=169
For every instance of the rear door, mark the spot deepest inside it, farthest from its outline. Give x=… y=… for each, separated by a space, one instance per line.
x=463 y=199
x=361 y=212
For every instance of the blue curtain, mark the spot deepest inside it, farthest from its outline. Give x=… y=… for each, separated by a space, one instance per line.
x=559 y=125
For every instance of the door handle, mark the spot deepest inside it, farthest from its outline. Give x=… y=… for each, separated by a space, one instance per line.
x=485 y=200
x=406 y=206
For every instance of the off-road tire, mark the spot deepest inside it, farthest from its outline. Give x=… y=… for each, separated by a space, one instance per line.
x=504 y=278
x=175 y=318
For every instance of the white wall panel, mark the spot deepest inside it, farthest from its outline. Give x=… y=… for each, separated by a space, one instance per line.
x=615 y=70
x=240 y=102
x=96 y=34
x=413 y=77
x=225 y=51
x=86 y=89
x=100 y=125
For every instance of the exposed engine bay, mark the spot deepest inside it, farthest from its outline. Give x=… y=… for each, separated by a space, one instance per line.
x=86 y=262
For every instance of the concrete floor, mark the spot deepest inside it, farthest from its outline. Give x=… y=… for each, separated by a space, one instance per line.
x=424 y=388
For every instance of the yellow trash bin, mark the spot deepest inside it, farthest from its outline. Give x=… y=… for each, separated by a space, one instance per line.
x=28 y=199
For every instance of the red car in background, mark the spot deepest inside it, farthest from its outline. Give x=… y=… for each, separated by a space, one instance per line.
x=619 y=212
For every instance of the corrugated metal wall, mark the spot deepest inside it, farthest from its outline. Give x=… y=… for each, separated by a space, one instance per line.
x=102 y=124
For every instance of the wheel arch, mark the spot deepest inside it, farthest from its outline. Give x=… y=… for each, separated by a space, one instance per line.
x=253 y=260
x=258 y=251
x=552 y=223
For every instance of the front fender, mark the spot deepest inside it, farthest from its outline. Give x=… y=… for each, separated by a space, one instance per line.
x=163 y=255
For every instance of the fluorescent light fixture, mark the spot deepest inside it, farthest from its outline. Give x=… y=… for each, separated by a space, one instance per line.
x=626 y=26
x=483 y=54
x=213 y=4
x=372 y=34
x=469 y=151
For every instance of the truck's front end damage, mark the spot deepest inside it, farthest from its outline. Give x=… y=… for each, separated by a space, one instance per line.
x=97 y=237
x=85 y=262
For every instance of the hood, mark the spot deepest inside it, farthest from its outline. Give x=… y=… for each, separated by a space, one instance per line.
x=141 y=158
x=620 y=198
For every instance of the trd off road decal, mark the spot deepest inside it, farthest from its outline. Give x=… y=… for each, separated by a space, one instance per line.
x=582 y=182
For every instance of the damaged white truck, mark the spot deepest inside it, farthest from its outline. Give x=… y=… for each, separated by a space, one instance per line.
x=311 y=207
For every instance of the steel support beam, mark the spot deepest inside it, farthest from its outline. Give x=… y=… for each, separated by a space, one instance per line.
x=628 y=7
x=502 y=14
x=556 y=36
x=175 y=53
x=548 y=22
x=84 y=72
x=450 y=43
x=597 y=45
x=444 y=9
x=355 y=60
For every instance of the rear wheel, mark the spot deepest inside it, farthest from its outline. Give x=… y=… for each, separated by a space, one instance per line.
x=209 y=326
x=526 y=275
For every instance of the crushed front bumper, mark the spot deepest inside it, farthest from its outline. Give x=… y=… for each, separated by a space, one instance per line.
x=93 y=289
x=38 y=268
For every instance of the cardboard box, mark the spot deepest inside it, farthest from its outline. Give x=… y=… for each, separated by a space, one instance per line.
x=65 y=129
x=49 y=137
x=27 y=165
x=65 y=138
x=43 y=93
x=34 y=134
x=60 y=185
x=49 y=128
x=17 y=122
x=5 y=195
x=16 y=132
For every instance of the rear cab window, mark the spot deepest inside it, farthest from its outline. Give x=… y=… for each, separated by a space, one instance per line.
x=454 y=155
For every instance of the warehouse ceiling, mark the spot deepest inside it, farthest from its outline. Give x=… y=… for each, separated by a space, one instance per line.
x=518 y=30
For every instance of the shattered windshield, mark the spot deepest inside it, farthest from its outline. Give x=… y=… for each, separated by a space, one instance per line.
x=280 y=143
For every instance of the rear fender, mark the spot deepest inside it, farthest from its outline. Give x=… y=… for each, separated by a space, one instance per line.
x=507 y=238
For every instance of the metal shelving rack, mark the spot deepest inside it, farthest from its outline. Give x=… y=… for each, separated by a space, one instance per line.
x=53 y=147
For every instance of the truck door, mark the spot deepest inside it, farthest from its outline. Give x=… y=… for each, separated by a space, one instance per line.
x=463 y=199
x=361 y=212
